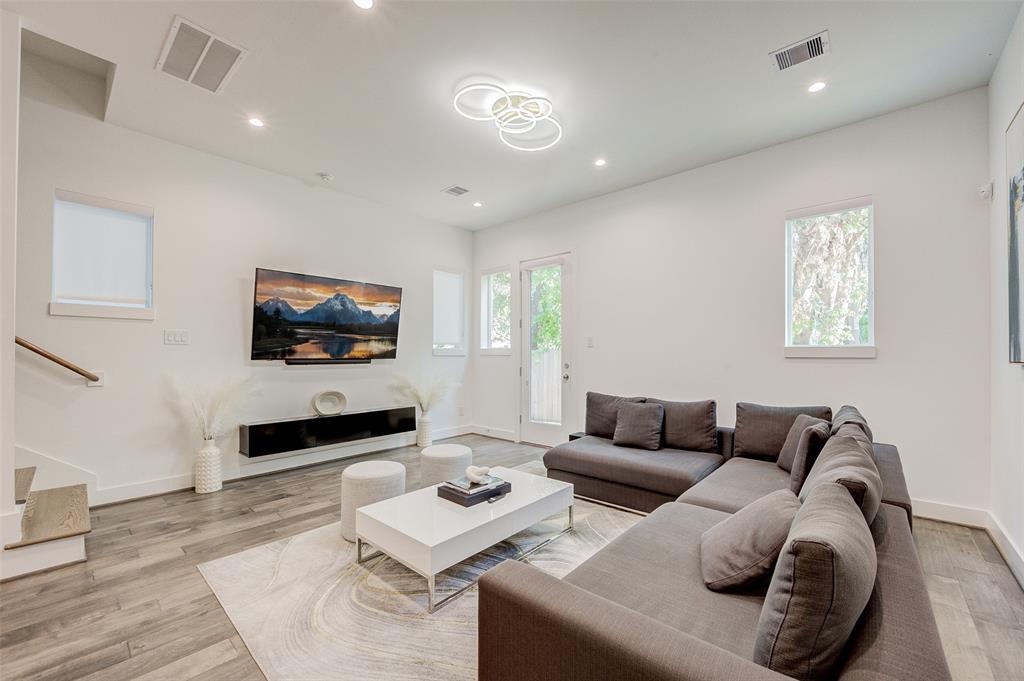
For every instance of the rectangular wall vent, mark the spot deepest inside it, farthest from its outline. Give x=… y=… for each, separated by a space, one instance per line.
x=193 y=54
x=455 y=190
x=797 y=53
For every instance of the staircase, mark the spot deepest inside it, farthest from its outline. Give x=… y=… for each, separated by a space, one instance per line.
x=54 y=523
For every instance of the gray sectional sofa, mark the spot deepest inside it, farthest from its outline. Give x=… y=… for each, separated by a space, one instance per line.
x=640 y=607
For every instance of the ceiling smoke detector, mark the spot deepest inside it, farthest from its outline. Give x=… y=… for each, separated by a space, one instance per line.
x=193 y=54
x=799 y=52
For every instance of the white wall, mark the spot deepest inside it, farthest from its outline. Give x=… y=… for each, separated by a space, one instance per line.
x=216 y=221
x=10 y=53
x=1006 y=93
x=681 y=285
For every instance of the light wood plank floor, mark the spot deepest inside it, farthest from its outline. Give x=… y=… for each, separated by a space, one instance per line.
x=139 y=609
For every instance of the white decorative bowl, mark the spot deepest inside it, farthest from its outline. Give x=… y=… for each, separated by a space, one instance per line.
x=329 y=403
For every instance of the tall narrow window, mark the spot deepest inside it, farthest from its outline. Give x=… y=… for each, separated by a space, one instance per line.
x=102 y=258
x=496 y=313
x=449 y=313
x=830 y=280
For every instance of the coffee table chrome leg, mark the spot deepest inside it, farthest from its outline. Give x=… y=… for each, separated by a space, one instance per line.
x=430 y=594
x=360 y=547
x=570 y=517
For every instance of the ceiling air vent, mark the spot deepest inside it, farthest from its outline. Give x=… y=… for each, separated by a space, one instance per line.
x=455 y=190
x=195 y=55
x=797 y=53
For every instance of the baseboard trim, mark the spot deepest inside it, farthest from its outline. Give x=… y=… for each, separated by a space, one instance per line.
x=1012 y=553
x=498 y=433
x=981 y=519
x=105 y=496
x=949 y=513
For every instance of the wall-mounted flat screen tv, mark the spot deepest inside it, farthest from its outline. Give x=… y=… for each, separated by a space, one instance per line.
x=306 y=318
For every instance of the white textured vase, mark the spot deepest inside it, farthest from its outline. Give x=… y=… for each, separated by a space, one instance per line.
x=208 y=475
x=424 y=431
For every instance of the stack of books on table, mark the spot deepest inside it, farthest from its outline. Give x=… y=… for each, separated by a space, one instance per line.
x=464 y=492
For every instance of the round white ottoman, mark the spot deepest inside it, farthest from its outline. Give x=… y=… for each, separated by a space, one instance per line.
x=444 y=462
x=365 y=483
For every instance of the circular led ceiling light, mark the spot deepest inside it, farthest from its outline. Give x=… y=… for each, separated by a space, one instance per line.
x=524 y=121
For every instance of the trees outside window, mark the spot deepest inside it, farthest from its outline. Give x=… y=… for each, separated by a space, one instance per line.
x=830 y=288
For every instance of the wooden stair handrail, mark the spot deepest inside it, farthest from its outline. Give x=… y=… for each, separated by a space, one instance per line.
x=88 y=375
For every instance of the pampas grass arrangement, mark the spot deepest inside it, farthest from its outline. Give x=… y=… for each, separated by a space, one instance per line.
x=426 y=393
x=213 y=411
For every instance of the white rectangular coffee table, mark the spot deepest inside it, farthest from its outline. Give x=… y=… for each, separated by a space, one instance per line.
x=429 y=534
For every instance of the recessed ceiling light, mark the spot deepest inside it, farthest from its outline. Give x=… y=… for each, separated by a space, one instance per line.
x=477 y=204
x=817 y=87
x=255 y=122
x=363 y=4
x=600 y=162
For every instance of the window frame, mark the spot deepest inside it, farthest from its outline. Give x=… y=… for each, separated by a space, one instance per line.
x=867 y=350
x=64 y=308
x=460 y=350
x=485 y=311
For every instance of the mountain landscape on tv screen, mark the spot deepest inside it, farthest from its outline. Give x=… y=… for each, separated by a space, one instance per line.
x=308 y=317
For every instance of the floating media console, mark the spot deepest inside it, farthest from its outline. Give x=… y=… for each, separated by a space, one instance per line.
x=310 y=432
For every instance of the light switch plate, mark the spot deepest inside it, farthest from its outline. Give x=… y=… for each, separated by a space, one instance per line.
x=176 y=337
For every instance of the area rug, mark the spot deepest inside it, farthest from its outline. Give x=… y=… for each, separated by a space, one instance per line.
x=307 y=611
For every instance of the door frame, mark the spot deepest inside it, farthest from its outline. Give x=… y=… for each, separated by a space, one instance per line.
x=567 y=262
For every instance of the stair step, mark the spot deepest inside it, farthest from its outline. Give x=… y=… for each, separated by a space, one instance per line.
x=23 y=483
x=56 y=513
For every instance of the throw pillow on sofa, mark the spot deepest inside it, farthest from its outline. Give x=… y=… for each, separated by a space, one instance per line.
x=740 y=551
x=787 y=455
x=848 y=414
x=639 y=425
x=761 y=430
x=844 y=460
x=602 y=413
x=823 y=580
x=812 y=441
x=690 y=425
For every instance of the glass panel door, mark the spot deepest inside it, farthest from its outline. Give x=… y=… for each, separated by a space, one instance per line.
x=545 y=361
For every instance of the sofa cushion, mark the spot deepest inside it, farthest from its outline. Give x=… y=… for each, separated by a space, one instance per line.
x=668 y=471
x=690 y=425
x=735 y=484
x=787 y=455
x=896 y=637
x=761 y=430
x=603 y=412
x=740 y=551
x=654 y=568
x=812 y=441
x=639 y=425
x=822 y=582
x=843 y=460
x=848 y=414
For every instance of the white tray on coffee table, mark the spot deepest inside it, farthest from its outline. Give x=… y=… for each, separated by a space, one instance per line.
x=429 y=534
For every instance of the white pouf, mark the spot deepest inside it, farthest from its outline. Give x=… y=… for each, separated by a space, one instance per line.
x=444 y=462
x=365 y=483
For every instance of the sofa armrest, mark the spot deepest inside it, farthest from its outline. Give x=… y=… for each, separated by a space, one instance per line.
x=894 y=483
x=535 y=627
x=726 y=435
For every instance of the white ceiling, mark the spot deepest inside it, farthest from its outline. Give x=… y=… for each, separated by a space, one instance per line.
x=656 y=88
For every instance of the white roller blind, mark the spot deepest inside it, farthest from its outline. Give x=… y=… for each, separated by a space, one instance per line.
x=449 y=310
x=101 y=255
